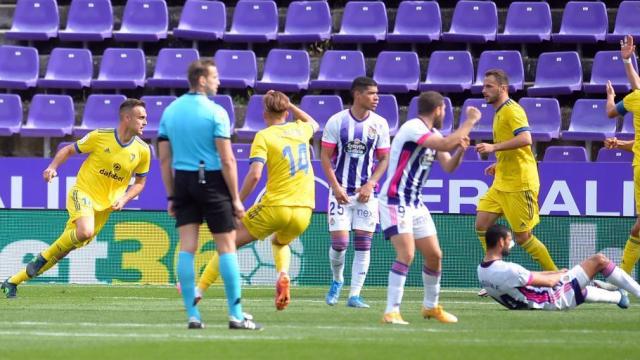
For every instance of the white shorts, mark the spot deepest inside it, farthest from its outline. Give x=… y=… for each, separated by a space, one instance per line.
x=353 y=216
x=570 y=292
x=406 y=219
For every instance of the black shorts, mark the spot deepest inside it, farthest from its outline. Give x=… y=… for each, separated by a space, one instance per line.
x=211 y=201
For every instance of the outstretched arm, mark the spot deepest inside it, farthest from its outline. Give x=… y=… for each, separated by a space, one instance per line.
x=61 y=157
x=627 y=49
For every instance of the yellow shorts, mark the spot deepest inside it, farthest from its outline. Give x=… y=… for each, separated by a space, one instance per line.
x=519 y=208
x=287 y=222
x=636 y=187
x=79 y=204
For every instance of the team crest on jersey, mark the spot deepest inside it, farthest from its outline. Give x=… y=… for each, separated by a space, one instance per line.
x=355 y=148
x=117 y=167
x=372 y=132
x=132 y=157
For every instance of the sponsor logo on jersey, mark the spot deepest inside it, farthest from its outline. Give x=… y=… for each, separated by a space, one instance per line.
x=355 y=148
x=112 y=175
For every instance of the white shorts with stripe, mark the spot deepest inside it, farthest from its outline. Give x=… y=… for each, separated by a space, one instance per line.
x=353 y=216
x=406 y=219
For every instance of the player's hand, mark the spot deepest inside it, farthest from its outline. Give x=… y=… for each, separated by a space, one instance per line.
x=610 y=90
x=473 y=114
x=170 y=209
x=490 y=170
x=484 y=148
x=341 y=196
x=627 y=49
x=464 y=143
x=238 y=209
x=611 y=143
x=119 y=204
x=49 y=173
x=364 y=192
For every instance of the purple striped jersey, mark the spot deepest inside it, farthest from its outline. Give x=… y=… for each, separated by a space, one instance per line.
x=409 y=164
x=357 y=141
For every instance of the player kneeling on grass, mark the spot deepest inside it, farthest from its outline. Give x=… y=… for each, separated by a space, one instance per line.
x=517 y=288
x=403 y=216
x=284 y=212
x=115 y=156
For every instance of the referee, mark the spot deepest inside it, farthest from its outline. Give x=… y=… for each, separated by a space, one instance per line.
x=194 y=141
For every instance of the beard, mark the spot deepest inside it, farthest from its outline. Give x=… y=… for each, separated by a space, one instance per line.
x=437 y=122
x=506 y=252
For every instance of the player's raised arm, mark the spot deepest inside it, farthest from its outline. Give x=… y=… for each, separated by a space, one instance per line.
x=627 y=49
x=451 y=142
x=300 y=114
x=61 y=157
x=450 y=162
x=612 y=111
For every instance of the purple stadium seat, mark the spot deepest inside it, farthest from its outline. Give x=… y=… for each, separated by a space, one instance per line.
x=557 y=73
x=362 y=22
x=470 y=154
x=614 y=155
x=88 y=20
x=583 y=22
x=449 y=71
x=10 y=114
x=626 y=22
x=227 y=103
x=484 y=128
x=628 y=130
x=121 y=69
x=607 y=65
x=143 y=20
x=397 y=71
x=241 y=151
x=527 y=22
x=237 y=68
x=321 y=108
x=19 y=67
x=155 y=108
x=509 y=60
x=100 y=111
x=473 y=22
x=68 y=69
x=171 y=68
x=447 y=123
x=544 y=117
x=253 y=22
x=388 y=109
x=338 y=69
x=202 y=20
x=49 y=116
x=307 y=21
x=416 y=22
x=34 y=20
x=565 y=153
x=285 y=70
x=254 y=118
x=589 y=121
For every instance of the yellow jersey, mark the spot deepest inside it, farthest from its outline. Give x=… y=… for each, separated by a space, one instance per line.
x=284 y=149
x=631 y=103
x=106 y=173
x=516 y=169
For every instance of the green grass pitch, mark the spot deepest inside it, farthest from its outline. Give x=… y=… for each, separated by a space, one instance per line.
x=147 y=322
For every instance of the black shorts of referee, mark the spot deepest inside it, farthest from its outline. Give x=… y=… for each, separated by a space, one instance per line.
x=195 y=201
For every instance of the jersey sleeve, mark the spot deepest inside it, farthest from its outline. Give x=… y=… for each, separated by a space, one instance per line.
x=306 y=127
x=331 y=133
x=518 y=121
x=163 y=134
x=384 y=141
x=88 y=143
x=416 y=131
x=518 y=276
x=145 y=162
x=258 y=149
x=630 y=103
x=222 y=126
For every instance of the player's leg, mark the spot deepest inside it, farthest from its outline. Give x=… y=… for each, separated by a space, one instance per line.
x=186 y=274
x=488 y=212
x=631 y=252
x=596 y=295
x=340 y=221
x=599 y=263
x=365 y=219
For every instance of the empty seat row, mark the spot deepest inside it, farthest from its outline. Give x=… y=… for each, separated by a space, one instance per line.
x=579 y=154
x=557 y=73
x=310 y=21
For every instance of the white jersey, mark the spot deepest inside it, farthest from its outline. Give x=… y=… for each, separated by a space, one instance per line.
x=509 y=284
x=409 y=164
x=357 y=142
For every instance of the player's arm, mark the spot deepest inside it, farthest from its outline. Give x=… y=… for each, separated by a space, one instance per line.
x=300 y=114
x=251 y=179
x=615 y=143
x=450 y=162
x=230 y=173
x=627 y=49
x=449 y=143
x=133 y=191
x=545 y=279
x=166 y=170
x=522 y=139
x=613 y=110
x=365 y=191
x=61 y=157
x=326 y=152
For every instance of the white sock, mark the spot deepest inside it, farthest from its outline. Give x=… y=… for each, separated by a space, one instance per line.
x=621 y=279
x=395 y=290
x=431 y=281
x=337 y=264
x=597 y=295
x=359 y=270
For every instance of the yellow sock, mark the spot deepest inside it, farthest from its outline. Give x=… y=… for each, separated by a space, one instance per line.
x=50 y=263
x=539 y=253
x=630 y=254
x=61 y=247
x=19 y=278
x=211 y=273
x=483 y=241
x=281 y=256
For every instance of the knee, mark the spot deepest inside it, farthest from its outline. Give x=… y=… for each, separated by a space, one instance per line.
x=635 y=230
x=405 y=258
x=522 y=237
x=600 y=259
x=339 y=242
x=84 y=233
x=434 y=256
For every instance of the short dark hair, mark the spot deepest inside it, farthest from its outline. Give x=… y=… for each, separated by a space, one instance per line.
x=275 y=102
x=361 y=83
x=429 y=101
x=494 y=233
x=129 y=104
x=498 y=74
x=198 y=68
